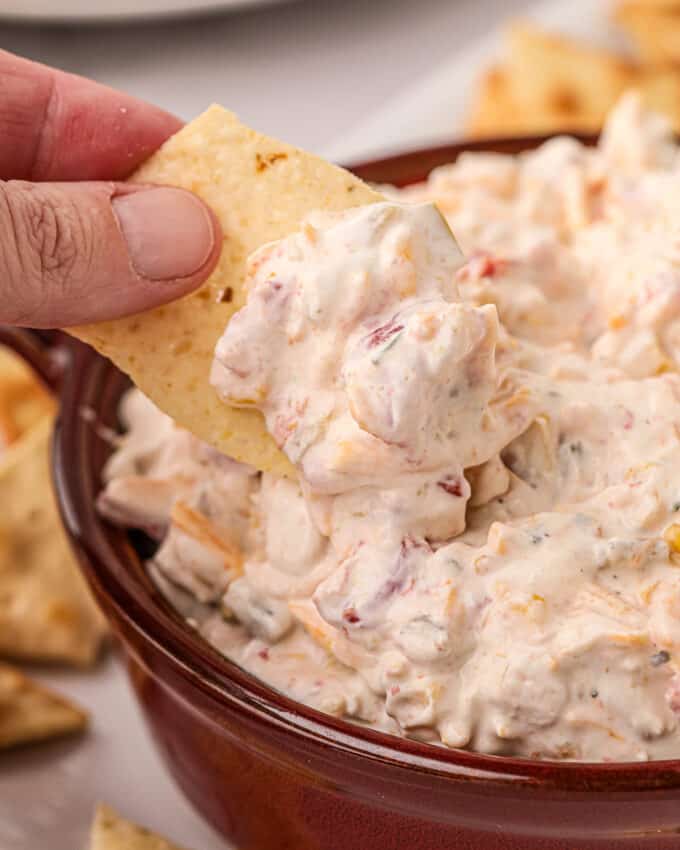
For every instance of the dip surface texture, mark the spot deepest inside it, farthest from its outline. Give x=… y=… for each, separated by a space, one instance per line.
x=482 y=548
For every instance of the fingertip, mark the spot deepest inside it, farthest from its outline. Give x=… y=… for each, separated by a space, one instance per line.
x=92 y=132
x=59 y=126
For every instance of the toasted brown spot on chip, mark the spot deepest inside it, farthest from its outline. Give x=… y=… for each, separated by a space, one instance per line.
x=182 y=346
x=566 y=101
x=264 y=161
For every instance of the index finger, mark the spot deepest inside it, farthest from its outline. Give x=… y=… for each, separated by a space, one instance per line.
x=58 y=126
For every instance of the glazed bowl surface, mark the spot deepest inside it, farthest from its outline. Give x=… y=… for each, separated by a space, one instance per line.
x=272 y=774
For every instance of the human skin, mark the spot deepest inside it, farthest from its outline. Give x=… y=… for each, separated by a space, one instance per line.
x=77 y=244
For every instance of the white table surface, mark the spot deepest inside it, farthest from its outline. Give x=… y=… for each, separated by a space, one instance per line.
x=309 y=72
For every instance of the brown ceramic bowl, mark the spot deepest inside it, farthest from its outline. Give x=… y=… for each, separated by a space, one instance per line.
x=271 y=774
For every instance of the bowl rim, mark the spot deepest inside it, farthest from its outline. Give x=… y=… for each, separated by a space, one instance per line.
x=111 y=566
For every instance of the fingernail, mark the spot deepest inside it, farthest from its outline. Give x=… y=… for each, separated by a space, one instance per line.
x=169 y=233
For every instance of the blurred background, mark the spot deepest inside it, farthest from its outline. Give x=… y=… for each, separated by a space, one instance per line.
x=350 y=77
x=307 y=70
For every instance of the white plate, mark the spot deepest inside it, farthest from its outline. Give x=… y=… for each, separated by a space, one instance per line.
x=432 y=111
x=108 y=10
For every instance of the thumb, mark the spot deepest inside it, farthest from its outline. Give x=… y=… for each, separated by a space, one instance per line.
x=73 y=253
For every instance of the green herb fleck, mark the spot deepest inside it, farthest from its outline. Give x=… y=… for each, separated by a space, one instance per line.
x=389 y=344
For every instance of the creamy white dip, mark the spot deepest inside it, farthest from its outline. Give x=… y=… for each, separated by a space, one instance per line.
x=483 y=546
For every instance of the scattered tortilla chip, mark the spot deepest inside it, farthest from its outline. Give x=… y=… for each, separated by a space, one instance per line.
x=111 y=832
x=31 y=713
x=654 y=29
x=499 y=110
x=46 y=611
x=548 y=83
x=572 y=82
x=553 y=84
x=23 y=399
x=260 y=189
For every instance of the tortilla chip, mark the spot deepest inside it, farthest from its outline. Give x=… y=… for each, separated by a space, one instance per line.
x=111 y=832
x=575 y=78
x=30 y=713
x=564 y=81
x=46 y=611
x=260 y=189
x=23 y=399
x=552 y=84
x=654 y=29
x=500 y=110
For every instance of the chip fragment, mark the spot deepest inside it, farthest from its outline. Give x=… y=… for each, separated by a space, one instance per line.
x=112 y=832
x=549 y=83
x=30 y=713
x=46 y=611
x=23 y=400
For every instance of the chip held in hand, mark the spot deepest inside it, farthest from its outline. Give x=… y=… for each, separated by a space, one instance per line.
x=261 y=190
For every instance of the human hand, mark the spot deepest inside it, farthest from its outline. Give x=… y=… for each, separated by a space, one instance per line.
x=77 y=246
